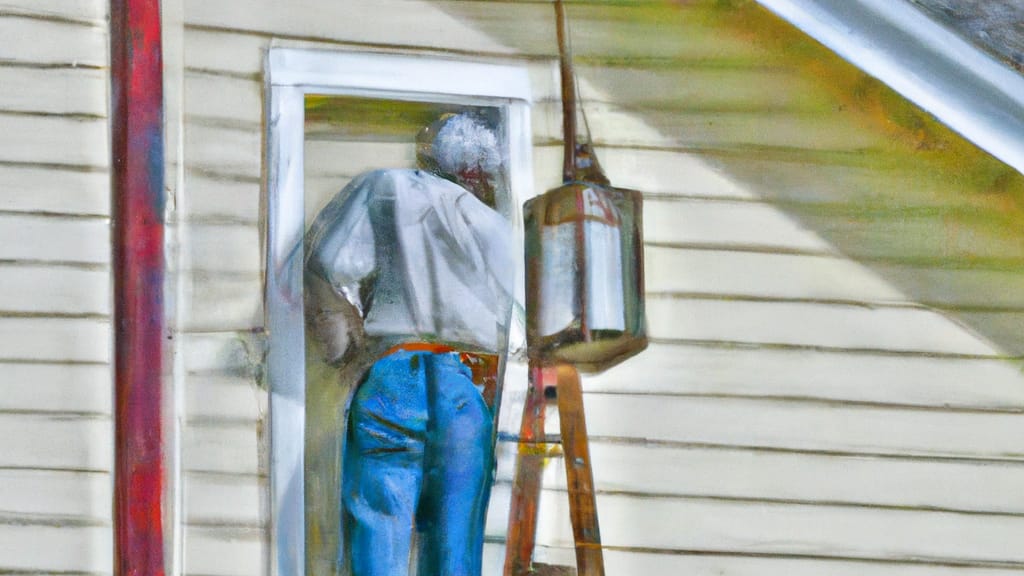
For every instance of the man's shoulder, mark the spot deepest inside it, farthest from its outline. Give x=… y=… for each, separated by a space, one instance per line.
x=406 y=175
x=398 y=182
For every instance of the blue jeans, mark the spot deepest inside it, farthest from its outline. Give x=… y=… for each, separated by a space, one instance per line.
x=418 y=454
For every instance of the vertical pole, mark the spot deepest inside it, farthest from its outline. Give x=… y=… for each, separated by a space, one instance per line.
x=138 y=260
x=579 y=474
x=568 y=95
x=522 y=518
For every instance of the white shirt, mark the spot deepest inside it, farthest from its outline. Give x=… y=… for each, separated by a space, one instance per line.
x=420 y=257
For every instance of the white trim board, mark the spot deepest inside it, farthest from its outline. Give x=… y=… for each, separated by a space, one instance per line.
x=353 y=72
x=928 y=64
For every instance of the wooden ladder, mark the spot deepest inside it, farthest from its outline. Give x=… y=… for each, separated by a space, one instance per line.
x=547 y=383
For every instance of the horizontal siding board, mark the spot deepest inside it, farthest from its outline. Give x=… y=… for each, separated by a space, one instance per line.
x=35 y=549
x=56 y=388
x=546 y=121
x=949 y=238
x=609 y=123
x=664 y=172
x=220 y=248
x=654 y=172
x=35 y=441
x=54 y=140
x=547 y=167
x=217 y=149
x=1005 y=329
x=223 y=448
x=225 y=52
x=62 y=290
x=67 y=91
x=228 y=500
x=55 y=339
x=804 y=426
x=545 y=79
x=226 y=398
x=213 y=302
x=30 y=189
x=40 y=238
x=421 y=25
x=223 y=97
x=78 y=44
x=75 y=9
x=880 y=180
x=958 y=288
x=792 y=130
x=832 y=376
x=210 y=197
x=232 y=354
x=766 y=89
x=740 y=224
x=56 y=494
x=759 y=275
x=809 y=478
x=811 y=324
x=213 y=551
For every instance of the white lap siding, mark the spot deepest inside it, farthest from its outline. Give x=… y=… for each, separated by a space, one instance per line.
x=55 y=388
x=797 y=413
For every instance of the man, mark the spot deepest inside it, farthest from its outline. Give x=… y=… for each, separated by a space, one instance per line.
x=411 y=268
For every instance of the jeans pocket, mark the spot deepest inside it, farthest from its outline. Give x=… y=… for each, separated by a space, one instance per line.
x=375 y=434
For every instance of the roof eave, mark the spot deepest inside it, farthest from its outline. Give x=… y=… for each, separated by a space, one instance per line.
x=928 y=64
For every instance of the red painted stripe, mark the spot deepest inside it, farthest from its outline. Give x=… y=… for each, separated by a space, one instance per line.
x=138 y=239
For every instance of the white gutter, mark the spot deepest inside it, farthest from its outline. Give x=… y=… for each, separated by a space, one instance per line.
x=928 y=64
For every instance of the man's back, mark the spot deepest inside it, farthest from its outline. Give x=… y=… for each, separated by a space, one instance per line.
x=419 y=256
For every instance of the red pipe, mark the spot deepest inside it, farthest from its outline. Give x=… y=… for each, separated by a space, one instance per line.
x=137 y=149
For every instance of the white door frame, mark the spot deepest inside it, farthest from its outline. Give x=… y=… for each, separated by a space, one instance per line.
x=291 y=75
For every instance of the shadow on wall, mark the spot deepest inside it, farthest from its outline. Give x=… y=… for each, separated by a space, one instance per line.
x=880 y=180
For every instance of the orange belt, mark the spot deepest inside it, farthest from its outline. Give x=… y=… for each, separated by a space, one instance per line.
x=419 y=347
x=468 y=358
x=484 y=367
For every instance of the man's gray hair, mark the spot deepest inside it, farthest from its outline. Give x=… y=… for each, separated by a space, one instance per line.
x=458 y=143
